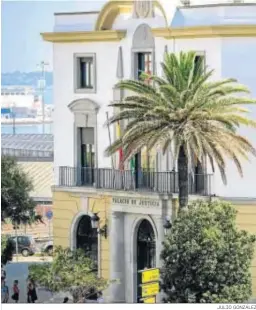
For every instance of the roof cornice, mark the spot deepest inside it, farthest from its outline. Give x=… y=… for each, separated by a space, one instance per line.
x=206 y=31
x=83 y=36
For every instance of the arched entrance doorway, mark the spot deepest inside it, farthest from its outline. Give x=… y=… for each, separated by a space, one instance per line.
x=146 y=250
x=87 y=238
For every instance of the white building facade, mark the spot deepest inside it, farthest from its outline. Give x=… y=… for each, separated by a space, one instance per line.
x=223 y=33
x=92 y=51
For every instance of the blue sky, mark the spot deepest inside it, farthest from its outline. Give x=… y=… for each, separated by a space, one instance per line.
x=22 y=22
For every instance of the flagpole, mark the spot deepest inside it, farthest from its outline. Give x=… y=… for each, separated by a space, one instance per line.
x=109 y=137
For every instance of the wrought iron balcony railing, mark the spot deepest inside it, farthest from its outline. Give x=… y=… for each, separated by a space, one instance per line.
x=159 y=182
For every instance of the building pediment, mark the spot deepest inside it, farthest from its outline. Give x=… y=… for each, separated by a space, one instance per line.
x=114 y=8
x=84 y=105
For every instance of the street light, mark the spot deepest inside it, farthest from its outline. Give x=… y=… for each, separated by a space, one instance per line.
x=42 y=85
x=15 y=227
x=167 y=225
x=95 y=220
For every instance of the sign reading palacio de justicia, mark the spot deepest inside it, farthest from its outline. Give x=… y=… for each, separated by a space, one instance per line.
x=139 y=202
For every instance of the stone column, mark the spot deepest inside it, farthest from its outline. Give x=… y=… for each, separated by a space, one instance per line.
x=160 y=229
x=159 y=223
x=117 y=258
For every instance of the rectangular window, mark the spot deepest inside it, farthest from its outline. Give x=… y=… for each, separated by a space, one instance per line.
x=87 y=147
x=85 y=79
x=200 y=58
x=144 y=64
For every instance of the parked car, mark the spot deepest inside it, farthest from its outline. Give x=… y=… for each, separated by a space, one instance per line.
x=48 y=248
x=26 y=245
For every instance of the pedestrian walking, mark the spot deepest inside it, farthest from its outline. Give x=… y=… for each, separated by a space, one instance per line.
x=31 y=292
x=4 y=292
x=16 y=291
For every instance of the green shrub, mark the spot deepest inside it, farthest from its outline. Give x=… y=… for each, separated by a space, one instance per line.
x=206 y=258
x=7 y=250
x=70 y=271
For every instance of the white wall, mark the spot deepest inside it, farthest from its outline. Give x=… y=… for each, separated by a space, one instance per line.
x=238 y=61
x=106 y=66
x=106 y=60
x=229 y=57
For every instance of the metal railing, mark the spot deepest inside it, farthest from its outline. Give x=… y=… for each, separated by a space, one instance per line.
x=159 y=182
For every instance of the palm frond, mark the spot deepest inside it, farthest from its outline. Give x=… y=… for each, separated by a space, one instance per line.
x=186 y=110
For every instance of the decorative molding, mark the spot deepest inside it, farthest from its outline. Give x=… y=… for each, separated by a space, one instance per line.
x=143 y=9
x=113 y=8
x=77 y=13
x=84 y=204
x=238 y=201
x=206 y=31
x=83 y=36
x=214 y=5
x=143 y=38
x=83 y=105
x=120 y=65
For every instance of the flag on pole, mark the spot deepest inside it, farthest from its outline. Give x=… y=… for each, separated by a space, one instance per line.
x=132 y=164
x=118 y=132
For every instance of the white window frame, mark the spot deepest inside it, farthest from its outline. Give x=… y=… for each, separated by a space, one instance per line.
x=77 y=89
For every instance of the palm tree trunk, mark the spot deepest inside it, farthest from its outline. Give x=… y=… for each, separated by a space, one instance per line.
x=183 y=178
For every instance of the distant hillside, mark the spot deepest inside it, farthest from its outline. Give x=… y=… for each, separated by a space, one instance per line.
x=25 y=78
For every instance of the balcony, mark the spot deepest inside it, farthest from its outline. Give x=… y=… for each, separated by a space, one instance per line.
x=127 y=180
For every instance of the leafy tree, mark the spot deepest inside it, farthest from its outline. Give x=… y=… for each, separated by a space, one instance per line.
x=70 y=271
x=187 y=111
x=16 y=203
x=7 y=250
x=206 y=259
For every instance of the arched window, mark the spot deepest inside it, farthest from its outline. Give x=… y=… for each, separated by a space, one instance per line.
x=87 y=238
x=146 y=246
x=146 y=251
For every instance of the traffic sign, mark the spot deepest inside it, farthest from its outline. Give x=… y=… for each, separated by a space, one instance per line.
x=49 y=214
x=149 y=300
x=150 y=289
x=150 y=275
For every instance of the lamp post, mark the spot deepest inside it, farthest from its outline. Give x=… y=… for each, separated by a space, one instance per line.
x=42 y=84
x=167 y=226
x=95 y=220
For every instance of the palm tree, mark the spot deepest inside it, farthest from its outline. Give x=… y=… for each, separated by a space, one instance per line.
x=188 y=110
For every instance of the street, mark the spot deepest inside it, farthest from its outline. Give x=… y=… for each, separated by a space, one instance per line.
x=19 y=271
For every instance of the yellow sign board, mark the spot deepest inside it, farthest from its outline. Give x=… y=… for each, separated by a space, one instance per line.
x=150 y=275
x=149 y=289
x=149 y=300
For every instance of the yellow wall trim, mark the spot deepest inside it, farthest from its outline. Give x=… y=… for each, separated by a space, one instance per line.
x=83 y=36
x=167 y=33
x=113 y=8
x=206 y=32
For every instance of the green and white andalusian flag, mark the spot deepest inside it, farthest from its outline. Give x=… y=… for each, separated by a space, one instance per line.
x=132 y=164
